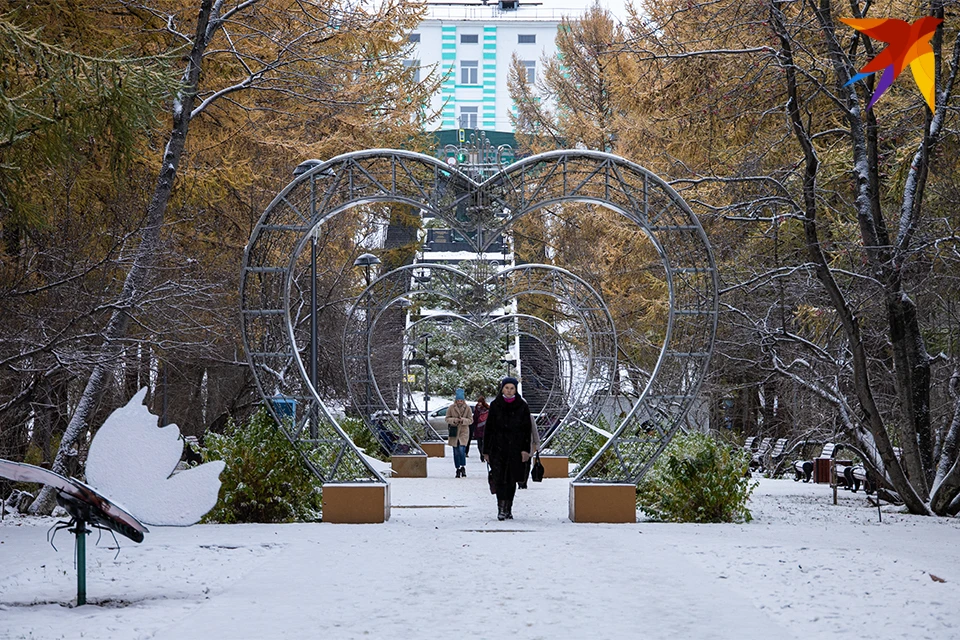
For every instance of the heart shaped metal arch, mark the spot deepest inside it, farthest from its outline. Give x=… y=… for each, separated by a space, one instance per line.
x=392 y=176
x=582 y=403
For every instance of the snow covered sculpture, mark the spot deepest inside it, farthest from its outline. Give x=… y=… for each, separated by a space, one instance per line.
x=81 y=501
x=133 y=461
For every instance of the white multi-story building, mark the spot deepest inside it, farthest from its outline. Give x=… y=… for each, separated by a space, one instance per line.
x=471 y=44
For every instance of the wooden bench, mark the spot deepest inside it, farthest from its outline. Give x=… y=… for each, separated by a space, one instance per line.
x=757 y=461
x=851 y=476
x=773 y=456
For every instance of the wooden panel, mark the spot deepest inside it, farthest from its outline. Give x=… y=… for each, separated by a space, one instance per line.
x=434 y=449
x=555 y=466
x=358 y=503
x=614 y=503
x=409 y=466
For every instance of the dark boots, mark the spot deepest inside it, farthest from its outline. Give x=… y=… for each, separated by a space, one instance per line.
x=509 y=509
x=504 y=509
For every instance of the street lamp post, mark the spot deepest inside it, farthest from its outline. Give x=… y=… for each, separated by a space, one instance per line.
x=509 y=362
x=367 y=261
x=426 y=375
x=424 y=362
x=405 y=305
x=301 y=169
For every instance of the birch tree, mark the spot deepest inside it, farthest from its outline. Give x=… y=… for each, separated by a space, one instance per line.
x=866 y=189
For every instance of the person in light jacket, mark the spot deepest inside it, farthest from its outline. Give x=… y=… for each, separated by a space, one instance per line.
x=534 y=446
x=459 y=416
x=508 y=442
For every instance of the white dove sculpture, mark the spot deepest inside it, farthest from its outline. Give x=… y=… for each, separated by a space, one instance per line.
x=132 y=460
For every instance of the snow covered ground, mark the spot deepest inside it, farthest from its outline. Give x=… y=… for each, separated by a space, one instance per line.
x=444 y=567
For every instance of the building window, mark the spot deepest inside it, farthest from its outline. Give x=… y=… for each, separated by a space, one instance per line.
x=469 y=38
x=413 y=37
x=468 y=117
x=416 y=68
x=469 y=72
x=531 y=67
x=527 y=38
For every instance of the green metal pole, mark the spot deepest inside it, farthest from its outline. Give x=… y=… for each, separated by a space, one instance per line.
x=81 y=532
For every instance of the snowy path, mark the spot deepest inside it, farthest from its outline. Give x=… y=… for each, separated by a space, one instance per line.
x=444 y=567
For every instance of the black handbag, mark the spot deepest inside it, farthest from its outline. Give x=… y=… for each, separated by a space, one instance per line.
x=490 y=480
x=536 y=474
x=452 y=431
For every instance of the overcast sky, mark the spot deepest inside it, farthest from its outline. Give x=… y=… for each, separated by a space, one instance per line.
x=616 y=7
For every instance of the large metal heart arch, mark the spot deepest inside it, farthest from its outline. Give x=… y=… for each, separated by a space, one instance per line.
x=272 y=313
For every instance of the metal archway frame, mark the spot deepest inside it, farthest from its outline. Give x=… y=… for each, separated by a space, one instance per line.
x=384 y=175
x=570 y=290
x=537 y=329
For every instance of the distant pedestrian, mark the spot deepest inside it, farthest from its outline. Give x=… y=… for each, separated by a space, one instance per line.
x=480 y=412
x=458 y=419
x=508 y=443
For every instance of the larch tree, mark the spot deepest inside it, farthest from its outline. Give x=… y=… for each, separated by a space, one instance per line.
x=79 y=98
x=271 y=64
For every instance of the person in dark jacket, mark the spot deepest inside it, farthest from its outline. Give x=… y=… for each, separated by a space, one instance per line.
x=480 y=412
x=508 y=443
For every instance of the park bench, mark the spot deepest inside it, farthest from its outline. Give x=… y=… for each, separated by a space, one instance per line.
x=761 y=451
x=776 y=453
x=852 y=476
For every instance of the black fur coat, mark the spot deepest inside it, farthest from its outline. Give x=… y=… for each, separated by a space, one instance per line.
x=508 y=432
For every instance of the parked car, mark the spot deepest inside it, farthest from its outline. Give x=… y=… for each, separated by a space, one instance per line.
x=438 y=419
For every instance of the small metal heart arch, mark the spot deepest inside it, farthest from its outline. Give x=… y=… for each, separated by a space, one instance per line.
x=576 y=404
x=307 y=214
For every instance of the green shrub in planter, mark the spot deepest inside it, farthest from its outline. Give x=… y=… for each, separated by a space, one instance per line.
x=363 y=438
x=265 y=479
x=698 y=479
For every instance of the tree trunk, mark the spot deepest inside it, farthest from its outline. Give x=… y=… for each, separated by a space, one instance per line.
x=140 y=270
x=912 y=367
x=876 y=250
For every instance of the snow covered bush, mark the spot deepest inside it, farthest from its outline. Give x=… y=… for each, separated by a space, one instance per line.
x=265 y=479
x=362 y=437
x=588 y=445
x=459 y=362
x=697 y=479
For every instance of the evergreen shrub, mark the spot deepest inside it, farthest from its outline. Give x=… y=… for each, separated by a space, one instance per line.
x=265 y=479
x=362 y=437
x=698 y=479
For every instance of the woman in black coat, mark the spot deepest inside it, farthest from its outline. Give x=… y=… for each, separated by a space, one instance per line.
x=508 y=444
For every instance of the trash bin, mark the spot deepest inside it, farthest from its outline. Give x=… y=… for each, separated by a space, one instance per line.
x=821 y=470
x=285 y=408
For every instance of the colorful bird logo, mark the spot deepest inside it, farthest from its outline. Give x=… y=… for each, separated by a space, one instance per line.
x=909 y=44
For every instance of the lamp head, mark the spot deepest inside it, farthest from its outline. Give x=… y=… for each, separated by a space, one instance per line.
x=366 y=260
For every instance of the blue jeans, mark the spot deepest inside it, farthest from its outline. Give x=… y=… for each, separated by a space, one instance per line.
x=460 y=456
